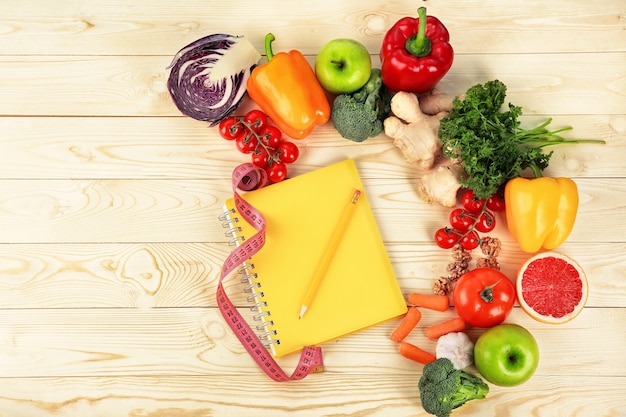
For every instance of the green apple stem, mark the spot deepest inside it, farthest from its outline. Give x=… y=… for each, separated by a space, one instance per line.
x=419 y=45
x=269 y=38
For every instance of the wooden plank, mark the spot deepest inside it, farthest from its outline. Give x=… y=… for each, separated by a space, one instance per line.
x=119 y=28
x=320 y=395
x=71 y=211
x=180 y=147
x=82 y=85
x=111 y=210
x=196 y=341
x=110 y=275
x=543 y=84
x=152 y=275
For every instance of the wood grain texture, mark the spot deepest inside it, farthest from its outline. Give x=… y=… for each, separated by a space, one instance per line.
x=143 y=275
x=179 y=147
x=119 y=28
x=110 y=248
x=174 y=210
x=367 y=394
x=136 y=85
x=196 y=341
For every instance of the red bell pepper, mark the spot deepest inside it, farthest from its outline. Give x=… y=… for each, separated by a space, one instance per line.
x=416 y=53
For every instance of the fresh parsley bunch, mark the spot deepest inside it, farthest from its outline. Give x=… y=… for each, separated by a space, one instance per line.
x=490 y=143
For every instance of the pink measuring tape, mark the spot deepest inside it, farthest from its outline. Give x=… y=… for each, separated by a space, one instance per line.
x=247 y=177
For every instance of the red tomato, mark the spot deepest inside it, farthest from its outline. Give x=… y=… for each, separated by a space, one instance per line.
x=486 y=222
x=484 y=297
x=271 y=136
x=472 y=203
x=446 y=238
x=277 y=171
x=256 y=119
x=260 y=158
x=289 y=152
x=461 y=220
x=230 y=128
x=246 y=143
x=470 y=240
x=496 y=202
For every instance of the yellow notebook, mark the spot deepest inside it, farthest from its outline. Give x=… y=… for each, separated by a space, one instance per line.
x=359 y=289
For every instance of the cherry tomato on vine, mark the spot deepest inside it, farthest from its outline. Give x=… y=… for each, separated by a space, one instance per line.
x=289 y=152
x=472 y=203
x=277 y=171
x=486 y=222
x=246 y=143
x=470 y=240
x=230 y=128
x=461 y=219
x=260 y=158
x=484 y=297
x=496 y=202
x=256 y=119
x=271 y=136
x=446 y=238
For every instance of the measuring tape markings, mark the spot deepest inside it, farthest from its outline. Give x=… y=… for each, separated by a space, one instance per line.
x=248 y=177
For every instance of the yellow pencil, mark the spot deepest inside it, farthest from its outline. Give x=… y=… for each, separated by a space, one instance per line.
x=329 y=252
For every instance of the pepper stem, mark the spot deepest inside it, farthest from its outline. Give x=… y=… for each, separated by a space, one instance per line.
x=269 y=38
x=487 y=293
x=419 y=45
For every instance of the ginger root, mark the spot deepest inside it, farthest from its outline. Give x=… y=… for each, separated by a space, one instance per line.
x=441 y=184
x=414 y=128
x=437 y=102
x=413 y=131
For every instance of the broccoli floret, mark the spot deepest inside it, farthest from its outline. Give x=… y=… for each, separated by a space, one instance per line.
x=359 y=115
x=443 y=388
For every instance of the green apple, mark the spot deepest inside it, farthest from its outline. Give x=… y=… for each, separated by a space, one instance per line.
x=506 y=355
x=343 y=66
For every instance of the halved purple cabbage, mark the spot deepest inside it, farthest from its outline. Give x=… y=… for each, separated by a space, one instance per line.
x=208 y=77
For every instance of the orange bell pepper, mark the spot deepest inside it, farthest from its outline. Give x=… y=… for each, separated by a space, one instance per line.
x=287 y=89
x=540 y=212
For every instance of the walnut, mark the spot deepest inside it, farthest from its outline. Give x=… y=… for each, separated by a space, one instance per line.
x=442 y=286
x=461 y=255
x=490 y=262
x=456 y=271
x=459 y=266
x=490 y=246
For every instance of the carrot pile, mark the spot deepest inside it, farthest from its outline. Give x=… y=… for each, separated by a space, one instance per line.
x=412 y=318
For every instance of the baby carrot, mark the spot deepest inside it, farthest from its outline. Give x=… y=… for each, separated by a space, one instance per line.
x=435 y=331
x=430 y=301
x=408 y=322
x=412 y=352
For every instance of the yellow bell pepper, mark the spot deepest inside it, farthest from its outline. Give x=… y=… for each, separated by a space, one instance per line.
x=540 y=212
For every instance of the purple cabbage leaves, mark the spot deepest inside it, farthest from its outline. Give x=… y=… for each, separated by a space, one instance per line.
x=208 y=77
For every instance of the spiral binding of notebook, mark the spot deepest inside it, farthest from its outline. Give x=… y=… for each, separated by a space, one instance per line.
x=265 y=329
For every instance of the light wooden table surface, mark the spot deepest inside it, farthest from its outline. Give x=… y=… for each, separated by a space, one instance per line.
x=110 y=249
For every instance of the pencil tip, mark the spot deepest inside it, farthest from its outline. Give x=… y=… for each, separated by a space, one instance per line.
x=302 y=311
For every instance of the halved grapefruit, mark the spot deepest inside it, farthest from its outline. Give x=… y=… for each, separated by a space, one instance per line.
x=551 y=287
